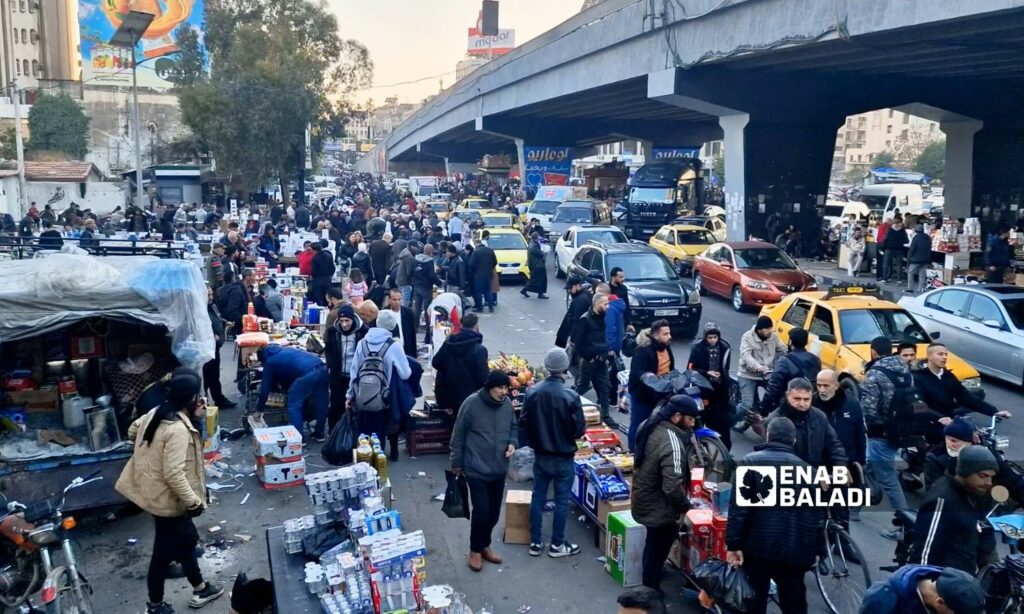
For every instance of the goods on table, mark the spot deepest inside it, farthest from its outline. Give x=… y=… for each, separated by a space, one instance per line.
x=520 y=372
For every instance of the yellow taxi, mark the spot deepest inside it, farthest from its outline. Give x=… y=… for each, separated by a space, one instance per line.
x=441 y=207
x=523 y=208
x=681 y=243
x=475 y=203
x=496 y=219
x=510 y=249
x=842 y=322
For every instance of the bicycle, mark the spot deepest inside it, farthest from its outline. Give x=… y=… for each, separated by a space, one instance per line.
x=840 y=572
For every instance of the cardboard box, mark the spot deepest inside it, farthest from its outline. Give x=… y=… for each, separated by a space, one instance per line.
x=604 y=508
x=282 y=475
x=47 y=399
x=517 y=516
x=280 y=442
x=624 y=554
x=246 y=352
x=579 y=486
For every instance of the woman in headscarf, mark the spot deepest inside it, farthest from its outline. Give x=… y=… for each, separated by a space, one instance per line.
x=538 y=269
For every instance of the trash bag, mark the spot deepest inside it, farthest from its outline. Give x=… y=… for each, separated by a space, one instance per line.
x=456 y=496
x=725 y=584
x=322 y=539
x=520 y=466
x=252 y=596
x=338 y=448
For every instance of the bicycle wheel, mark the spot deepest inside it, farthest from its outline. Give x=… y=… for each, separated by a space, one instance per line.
x=718 y=464
x=995 y=582
x=842 y=577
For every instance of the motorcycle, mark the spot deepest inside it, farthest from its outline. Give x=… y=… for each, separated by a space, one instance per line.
x=34 y=534
x=710 y=452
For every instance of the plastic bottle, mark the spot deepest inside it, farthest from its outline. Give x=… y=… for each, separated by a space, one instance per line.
x=382 y=466
x=364 y=453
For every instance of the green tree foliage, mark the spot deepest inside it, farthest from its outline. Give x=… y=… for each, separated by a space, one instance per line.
x=932 y=160
x=275 y=68
x=883 y=160
x=8 y=150
x=58 y=125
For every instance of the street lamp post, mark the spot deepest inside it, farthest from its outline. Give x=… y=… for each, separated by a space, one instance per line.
x=127 y=36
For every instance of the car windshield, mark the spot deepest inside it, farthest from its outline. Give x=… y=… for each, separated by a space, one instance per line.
x=862 y=325
x=544 y=207
x=875 y=203
x=1015 y=307
x=763 y=258
x=506 y=241
x=603 y=236
x=650 y=195
x=643 y=267
x=476 y=204
x=573 y=215
x=695 y=237
x=439 y=207
x=498 y=220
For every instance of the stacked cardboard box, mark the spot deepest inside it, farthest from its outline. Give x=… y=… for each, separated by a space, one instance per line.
x=279 y=459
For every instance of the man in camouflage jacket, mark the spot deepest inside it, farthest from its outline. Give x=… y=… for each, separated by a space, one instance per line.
x=876 y=396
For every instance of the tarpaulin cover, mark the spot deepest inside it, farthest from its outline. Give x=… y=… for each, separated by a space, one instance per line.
x=49 y=293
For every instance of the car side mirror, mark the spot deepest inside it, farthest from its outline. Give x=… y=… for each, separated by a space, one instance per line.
x=827 y=338
x=935 y=334
x=725 y=264
x=596 y=274
x=993 y=324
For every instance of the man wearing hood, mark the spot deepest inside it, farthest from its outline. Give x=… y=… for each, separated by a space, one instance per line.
x=483 y=439
x=303 y=376
x=877 y=396
x=379 y=341
x=340 y=350
x=461 y=365
x=653 y=355
x=661 y=480
x=710 y=357
x=816 y=441
x=424 y=278
x=923 y=589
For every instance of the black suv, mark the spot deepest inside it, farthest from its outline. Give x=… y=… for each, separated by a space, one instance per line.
x=656 y=291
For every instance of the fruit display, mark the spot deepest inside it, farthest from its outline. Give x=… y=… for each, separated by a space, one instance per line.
x=521 y=374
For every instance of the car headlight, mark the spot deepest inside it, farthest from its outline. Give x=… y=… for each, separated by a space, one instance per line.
x=972 y=383
x=757 y=285
x=693 y=297
x=636 y=300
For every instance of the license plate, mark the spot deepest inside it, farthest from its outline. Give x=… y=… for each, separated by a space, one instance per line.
x=666 y=312
x=510 y=271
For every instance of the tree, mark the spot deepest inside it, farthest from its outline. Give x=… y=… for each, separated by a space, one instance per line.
x=932 y=160
x=906 y=149
x=276 y=68
x=8 y=144
x=58 y=125
x=883 y=160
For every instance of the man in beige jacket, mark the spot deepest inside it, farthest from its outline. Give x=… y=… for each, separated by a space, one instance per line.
x=165 y=478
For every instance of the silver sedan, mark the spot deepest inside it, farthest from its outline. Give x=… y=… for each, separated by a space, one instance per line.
x=984 y=324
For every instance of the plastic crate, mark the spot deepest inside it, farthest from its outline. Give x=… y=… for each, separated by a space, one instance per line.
x=428 y=441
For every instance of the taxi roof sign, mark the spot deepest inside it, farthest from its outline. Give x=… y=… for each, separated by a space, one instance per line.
x=844 y=290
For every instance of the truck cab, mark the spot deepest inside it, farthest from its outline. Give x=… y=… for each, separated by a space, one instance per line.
x=661 y=191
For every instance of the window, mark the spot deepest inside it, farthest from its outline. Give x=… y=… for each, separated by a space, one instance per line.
x=670 y=237
x=31 y=6
x=585 y=259
x=662 y=235
x=888 y=129
x=17 y=67
x=796 y=315
x=984 y=308
x=725 y=255
x=24 y=67
x=15 y=34
x=903 y=133
x=713 y=252
x=21 y=6
x=906 y=118
x=35 y=68
x=823 y=322
x=33 y=37
x=890 y=113
x=948 y=301
x=24 y=36
x=1015 y=307
x=888 y=144
x=860 y=326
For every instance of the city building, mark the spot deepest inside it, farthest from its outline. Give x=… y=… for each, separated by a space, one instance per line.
x=40 y=42
x=864 y=136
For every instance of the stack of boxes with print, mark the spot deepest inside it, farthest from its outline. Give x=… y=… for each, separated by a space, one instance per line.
x=279 y=459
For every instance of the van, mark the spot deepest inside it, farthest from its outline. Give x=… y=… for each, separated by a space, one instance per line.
x=578 y=212
x=548 y=198
x=889 y=198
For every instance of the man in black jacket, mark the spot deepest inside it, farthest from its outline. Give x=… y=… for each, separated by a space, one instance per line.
x=797 y=362
x=461 y=365
x=845 y=416
x=895 y=246
x=455 y=271
x=424 y=278
x=655 y=357
x=381 y=258
x=816 y=441
x=941 y=460
x=998 y=256
x=233 y=300
x=590 y=341
x=340 y=341
x=323 y=273
x=710 y=357
x=211 y=370
x=918 y=260
x=944 y=393
x=406 y=330
x=302 y=217
x=481 y=267
x=578 y=306
x=50 y=237
x=774 y=543
x=551 y=422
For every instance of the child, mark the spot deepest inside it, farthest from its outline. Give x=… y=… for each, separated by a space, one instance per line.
x=356 y=287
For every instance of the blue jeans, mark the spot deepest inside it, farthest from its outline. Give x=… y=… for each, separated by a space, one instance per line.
x=312 y=384
x=406 y=295
x=547 y=470
x=482 y=291
x=881 y=472
x=637 y=414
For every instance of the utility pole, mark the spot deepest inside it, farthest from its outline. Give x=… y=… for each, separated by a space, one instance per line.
x=19 y=146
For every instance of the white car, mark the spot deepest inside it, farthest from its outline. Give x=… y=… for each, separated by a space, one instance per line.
x=570 y=242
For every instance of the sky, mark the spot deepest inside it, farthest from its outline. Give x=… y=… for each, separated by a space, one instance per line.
x=410 y=40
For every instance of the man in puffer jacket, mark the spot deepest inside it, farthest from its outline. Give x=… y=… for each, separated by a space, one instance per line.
x=461 y=365
x=876 y=396
x=423 y=280
x=798 y=362
x=403 y=279
x=760 y=347
x=340 y=348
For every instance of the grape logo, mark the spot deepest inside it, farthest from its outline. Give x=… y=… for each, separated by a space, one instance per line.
x=757 y=486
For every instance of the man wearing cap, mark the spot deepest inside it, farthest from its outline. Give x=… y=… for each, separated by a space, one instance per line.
x=760 y=347
x=941 y=460
x=661 y=480
x=710 y=357
x=923 y=589
x=483 y=439
x=948 y=528
x=877 y=394
x=551 y=422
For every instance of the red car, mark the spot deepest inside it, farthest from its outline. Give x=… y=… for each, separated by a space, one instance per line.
x=750 y=273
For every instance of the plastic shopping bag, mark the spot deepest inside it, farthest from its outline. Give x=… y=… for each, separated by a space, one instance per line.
x=520 y=466
x=338 y=448
x=456 y=496
x=725 y=584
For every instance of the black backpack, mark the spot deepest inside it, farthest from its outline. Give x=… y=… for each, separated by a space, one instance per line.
x=908 y=417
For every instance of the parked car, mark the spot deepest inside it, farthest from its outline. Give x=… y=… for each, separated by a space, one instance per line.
x=510 y=249
x=681 y=243
x=497 y=219
x=983 y=323
x=750 y=273
x=441 y=207
x=712 y=223
x=572 y=240
x=573 y=212
x=656 y=290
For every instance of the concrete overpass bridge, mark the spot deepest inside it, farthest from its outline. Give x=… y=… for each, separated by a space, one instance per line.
x=774 y=78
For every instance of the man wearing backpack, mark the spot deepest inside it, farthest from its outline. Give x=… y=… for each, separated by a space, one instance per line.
x=303 y=375
x=878 y=399
x=797 y=362
x=370 y=375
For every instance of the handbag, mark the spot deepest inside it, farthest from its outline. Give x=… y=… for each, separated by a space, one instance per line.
x=456 y=496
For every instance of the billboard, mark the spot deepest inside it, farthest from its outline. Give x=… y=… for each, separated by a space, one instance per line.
x=668 y=153
x=106 y=65
x=547 y=165
x=480 y=45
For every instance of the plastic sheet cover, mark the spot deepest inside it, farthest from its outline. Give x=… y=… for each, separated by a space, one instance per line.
x=45 y=294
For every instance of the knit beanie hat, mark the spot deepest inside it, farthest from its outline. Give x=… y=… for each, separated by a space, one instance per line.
x=496 y=379
x=556 y=360
x=959 y=429
x=974 y=459
x=711 y=328
x=387 y=319
x=347 y=311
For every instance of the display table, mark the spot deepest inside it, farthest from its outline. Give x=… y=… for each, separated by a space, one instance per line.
x=289 y=578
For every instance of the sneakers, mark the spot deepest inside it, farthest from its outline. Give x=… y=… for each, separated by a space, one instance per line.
x=893 y=534
x=159 y=608
x=536 y=549
x=610 y=422
x=318 y=438
x=210 y=592
x=566 y=549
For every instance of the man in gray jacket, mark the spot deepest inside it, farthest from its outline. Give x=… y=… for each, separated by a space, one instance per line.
x=484 y=437
x=760 y=347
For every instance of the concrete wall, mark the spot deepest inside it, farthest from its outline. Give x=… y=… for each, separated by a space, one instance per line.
x=100 y=196
x=111 y=142
x=9 y=197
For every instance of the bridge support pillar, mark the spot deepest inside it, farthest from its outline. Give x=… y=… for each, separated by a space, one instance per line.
x=959 y=178
x=734 y=187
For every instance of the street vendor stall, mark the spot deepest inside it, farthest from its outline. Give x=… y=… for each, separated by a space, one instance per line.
x=82 y=337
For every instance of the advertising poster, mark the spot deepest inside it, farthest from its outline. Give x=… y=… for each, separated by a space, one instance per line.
x=106 y=65
x=669 y=153
x=547 y=165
